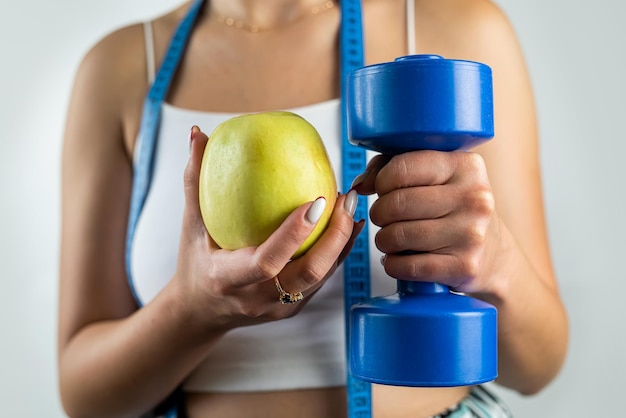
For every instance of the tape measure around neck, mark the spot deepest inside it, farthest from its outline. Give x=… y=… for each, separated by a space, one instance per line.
x=356 y=265
x=149 y=129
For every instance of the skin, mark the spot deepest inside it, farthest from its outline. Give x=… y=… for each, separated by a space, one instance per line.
x=483 y=230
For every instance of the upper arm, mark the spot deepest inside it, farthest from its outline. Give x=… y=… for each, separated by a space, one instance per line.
x=96 y=185
x=477 y=30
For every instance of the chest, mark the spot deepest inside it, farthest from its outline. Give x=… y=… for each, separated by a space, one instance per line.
x=226 y=70
x=229 y=70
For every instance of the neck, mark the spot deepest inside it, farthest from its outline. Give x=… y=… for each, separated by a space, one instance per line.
x=260 y=15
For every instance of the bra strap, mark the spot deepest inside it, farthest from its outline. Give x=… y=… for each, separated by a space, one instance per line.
x=149 y=43
x=410 y=27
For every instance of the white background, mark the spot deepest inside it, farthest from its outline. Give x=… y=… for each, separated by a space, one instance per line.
x=577 y=59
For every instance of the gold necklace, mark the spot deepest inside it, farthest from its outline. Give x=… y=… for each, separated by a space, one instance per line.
x=254 y=28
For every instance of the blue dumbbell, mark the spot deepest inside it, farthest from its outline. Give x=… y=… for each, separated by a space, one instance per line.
x=425 y=334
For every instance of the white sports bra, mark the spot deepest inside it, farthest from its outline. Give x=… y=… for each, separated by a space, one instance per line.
x=306 y=351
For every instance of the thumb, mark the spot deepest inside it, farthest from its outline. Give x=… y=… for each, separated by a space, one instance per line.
x=274 y=253
x=192 y=218
x=365 y=184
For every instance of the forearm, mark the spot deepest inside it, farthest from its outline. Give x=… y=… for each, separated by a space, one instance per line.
x=532 y=322
x=125 y=367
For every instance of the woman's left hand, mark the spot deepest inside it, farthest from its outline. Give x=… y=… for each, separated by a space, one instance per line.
x=437 y=217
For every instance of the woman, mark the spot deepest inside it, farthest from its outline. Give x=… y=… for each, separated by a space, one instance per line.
x=182 y=315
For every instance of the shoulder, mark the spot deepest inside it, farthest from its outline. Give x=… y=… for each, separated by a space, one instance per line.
x=463 y=29
x=116 y=55
x=478 y=30
x=119 y=58
x=475 y=30
x=111 y=68
x=108 y=83
x=460 y=15
x=112 y=78
x=124 y=48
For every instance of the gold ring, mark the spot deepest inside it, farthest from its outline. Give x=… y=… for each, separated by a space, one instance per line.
x=287 y=298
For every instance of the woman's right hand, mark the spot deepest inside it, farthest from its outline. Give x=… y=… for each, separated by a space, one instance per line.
x=228 y=289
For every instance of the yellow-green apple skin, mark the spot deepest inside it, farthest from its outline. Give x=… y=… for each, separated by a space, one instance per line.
x=256 y=169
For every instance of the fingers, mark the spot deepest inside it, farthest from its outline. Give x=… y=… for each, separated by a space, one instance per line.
x=451 y=251
x=192 y=218
x=275 y=252
x=419 y=168
x=241 y=281
x=436 y=212
x=447 y=269
x=257 y=267
x=364 y=183
x=308 y=272
x=445 y=235
x=412 y=204
x=240 y=272
x=322 y=258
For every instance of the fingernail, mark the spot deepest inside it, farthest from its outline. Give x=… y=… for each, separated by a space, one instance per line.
x=358 y=179
x=350 y=203
x=383 y=258
x=315 y=211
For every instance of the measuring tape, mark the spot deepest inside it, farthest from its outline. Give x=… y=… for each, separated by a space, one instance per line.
x=149 y=130
x=356 y=265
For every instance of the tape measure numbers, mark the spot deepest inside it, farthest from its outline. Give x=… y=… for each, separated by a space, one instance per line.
x=356 y=265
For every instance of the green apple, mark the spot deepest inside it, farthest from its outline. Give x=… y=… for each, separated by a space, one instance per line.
x=256 y=169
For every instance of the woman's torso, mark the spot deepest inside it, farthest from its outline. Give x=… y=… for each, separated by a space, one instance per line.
x=285 y=70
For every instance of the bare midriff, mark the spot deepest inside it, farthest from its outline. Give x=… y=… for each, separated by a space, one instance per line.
x=388 y=402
